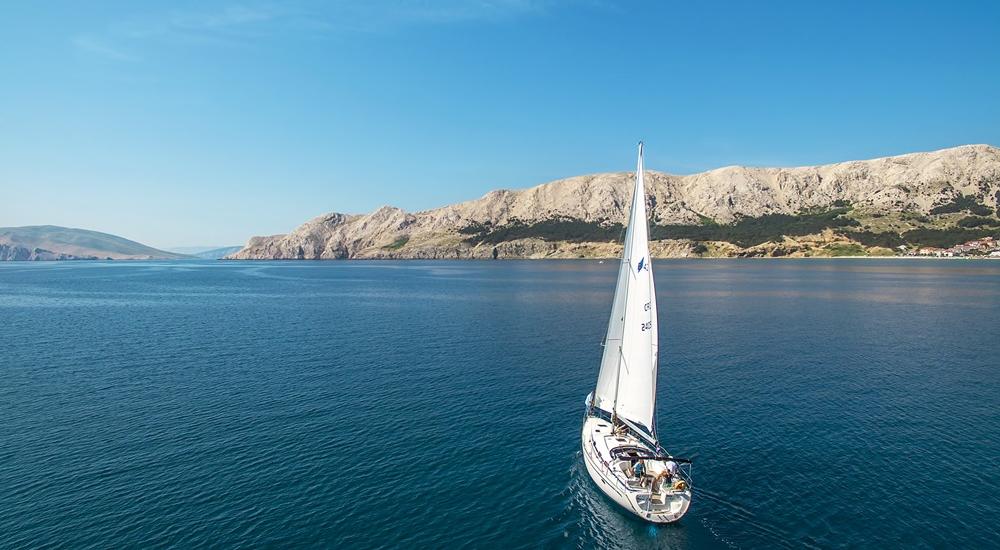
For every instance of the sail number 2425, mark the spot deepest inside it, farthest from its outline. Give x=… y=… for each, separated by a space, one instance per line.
x=649 y=324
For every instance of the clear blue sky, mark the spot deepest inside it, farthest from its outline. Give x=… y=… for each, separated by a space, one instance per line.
x=203 y=123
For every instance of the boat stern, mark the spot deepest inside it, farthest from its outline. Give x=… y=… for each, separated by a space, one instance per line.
x=667 y=508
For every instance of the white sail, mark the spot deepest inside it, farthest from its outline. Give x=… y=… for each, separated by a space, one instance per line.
x=626 y=385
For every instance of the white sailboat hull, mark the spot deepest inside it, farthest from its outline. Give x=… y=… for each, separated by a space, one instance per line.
x=665 y=505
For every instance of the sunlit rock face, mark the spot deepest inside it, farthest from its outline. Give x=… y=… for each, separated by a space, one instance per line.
x=912 y=183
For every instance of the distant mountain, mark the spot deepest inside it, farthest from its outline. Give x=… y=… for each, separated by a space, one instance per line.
x=50 y=242
x=217 y=253
x=206 y=252
x=189 y=250
x=875 y=206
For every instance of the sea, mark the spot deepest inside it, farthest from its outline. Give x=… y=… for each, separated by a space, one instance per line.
x=380 y=404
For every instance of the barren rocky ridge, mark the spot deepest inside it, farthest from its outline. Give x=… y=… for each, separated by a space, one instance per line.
x=913 y=183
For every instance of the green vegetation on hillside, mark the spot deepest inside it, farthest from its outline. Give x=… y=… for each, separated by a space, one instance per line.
x=963 y=203
x=749 y=232
x=977 y=221
x=943 y=228
x=886 y=239
x=845 y=249
x=946 y=238
x=556 y=229
x=746 y=232
x=398 y=243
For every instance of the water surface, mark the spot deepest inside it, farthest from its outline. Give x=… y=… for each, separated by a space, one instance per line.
x=826 y=403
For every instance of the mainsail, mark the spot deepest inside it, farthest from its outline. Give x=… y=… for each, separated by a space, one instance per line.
x=626 y=386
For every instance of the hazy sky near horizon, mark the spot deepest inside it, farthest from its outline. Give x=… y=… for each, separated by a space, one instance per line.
x=203 y=123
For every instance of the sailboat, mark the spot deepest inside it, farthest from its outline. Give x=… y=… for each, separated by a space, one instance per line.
x=620 y=447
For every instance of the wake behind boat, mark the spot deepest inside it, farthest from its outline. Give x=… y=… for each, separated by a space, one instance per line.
x=620 y=446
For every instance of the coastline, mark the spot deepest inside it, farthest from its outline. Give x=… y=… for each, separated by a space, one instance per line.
x=383 y=259
x=297 y=260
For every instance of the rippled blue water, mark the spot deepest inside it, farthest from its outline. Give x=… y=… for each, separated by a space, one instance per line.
x=825 y=403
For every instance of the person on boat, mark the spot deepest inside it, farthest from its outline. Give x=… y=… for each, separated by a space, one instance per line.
x=662 y=480
x=640 y=469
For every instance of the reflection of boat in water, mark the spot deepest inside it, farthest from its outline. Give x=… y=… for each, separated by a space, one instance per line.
x=620 y=446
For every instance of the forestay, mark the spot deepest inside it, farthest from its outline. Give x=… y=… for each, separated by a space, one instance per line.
x=626 y=385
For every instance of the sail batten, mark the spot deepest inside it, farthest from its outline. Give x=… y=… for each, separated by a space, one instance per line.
x=626 y=385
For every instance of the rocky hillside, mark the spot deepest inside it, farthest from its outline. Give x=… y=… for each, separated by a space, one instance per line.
x=874 y=206
x=50 y=242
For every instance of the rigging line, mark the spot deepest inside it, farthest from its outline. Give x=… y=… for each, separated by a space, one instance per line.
x=621 y=357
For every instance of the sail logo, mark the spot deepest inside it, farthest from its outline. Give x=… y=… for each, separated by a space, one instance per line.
x=642 y=264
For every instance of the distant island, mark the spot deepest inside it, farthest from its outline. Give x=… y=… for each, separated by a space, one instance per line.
x=217 y=253
x=206 y=252
x=51 y=242
x=941 y=203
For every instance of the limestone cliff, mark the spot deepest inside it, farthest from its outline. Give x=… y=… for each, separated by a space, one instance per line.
x=578 y=216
